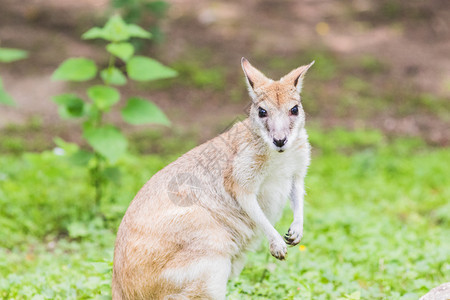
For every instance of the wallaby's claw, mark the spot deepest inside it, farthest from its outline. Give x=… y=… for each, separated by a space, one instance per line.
x=278 y=249
x=292 y=237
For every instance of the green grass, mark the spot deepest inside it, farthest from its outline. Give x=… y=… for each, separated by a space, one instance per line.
x=193 y=73
x=376 y=227
x=377 y=224
x=16 y=139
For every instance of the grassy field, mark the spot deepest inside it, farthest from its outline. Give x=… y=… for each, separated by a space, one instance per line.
x=377 y=224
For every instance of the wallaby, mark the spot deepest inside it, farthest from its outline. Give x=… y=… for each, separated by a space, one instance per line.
x=187 y=230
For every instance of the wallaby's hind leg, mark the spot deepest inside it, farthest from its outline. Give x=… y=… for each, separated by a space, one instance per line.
x=237 y=264
x=219 y=272
x=116 y=291
x=207 y=279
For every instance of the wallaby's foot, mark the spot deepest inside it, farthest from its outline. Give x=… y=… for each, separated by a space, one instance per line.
x=278 y=248
x=294 y=234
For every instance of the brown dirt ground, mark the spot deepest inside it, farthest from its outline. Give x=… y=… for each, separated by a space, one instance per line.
x=412 y=39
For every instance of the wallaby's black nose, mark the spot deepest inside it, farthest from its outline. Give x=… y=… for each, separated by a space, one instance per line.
x=279 y=143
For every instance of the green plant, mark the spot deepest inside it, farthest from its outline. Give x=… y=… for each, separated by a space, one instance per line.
x=133 y=11
x=8 y=55
x=107 y=141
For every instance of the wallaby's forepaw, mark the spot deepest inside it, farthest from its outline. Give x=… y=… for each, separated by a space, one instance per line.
x=278 y=249
x=294 y=235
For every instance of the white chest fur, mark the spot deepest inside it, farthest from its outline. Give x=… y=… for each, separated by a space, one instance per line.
x=277 y=183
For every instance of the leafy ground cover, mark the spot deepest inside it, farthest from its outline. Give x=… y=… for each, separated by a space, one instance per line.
x=377 y=224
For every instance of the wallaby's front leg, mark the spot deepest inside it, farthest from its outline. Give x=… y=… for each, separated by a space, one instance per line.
x=295 y=232
x=250 y=205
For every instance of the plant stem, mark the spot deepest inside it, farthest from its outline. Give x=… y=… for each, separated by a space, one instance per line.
x=98 y=182
x=98 y=169
x=112 y=61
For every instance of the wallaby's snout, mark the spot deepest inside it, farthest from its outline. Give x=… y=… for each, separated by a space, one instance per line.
x=280 y=143
x=277 y=126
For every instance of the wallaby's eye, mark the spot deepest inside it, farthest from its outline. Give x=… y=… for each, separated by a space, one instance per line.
x=294 y=110
x=262 y=112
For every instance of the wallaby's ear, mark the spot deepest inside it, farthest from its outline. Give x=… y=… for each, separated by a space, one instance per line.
x=295 y=77
x=254 y=77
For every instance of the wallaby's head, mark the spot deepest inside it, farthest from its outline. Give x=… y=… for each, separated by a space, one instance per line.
x=276 y=111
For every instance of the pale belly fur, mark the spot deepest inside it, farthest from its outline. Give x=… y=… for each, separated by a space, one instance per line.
x=277 y=185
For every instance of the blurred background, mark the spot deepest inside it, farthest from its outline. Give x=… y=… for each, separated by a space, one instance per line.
x=379 y=64
x=378 y=115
